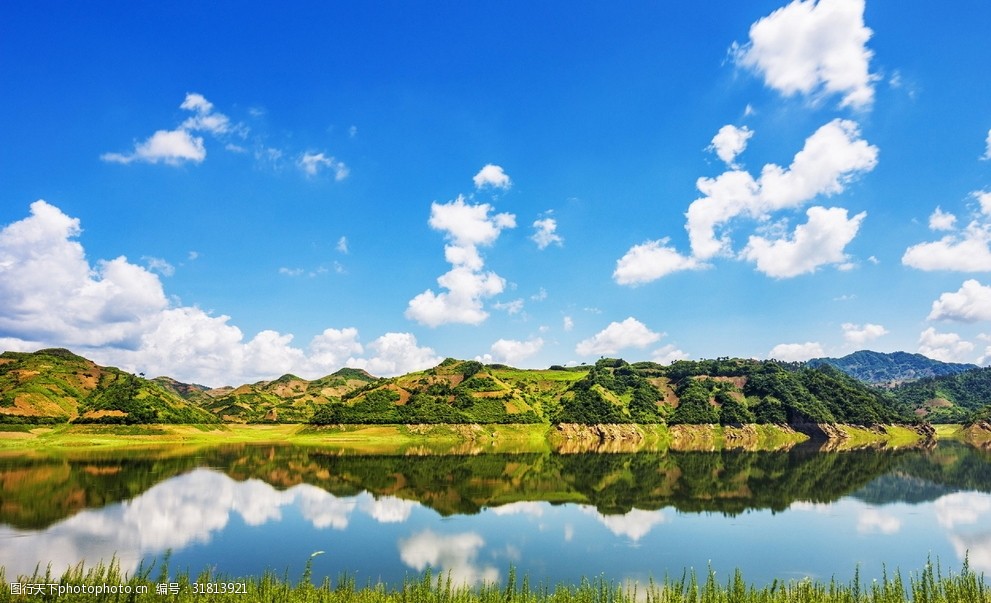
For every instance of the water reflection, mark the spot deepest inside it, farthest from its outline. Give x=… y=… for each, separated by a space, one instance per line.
x=557 y=517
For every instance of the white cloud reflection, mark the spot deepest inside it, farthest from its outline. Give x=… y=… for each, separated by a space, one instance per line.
x=453 y=554
x=184 y=510
x=634 y=524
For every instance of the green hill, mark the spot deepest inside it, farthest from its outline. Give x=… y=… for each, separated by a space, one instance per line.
x=55 y=385
x=891 y=369
x=58 y=386
x=948 y=398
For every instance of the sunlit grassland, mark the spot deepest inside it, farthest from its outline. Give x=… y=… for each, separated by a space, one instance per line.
x=384 y=439
x=930 y=585
x=442 y=438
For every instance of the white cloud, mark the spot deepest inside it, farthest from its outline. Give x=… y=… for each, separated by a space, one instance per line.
x=567 y=323
x=335 y=347
x=971 y=303
x=984 y=200
x=729 y=142
x=492 y=175
x=117 y=313
x=171 y=147
x=158 y=265
x=940 y=220
x=830 y=159
x=631 y=333
x=858 y=335
x=818 y=242
x=966 y=252
x=206 y=119
x=174 y=147
x=511 y=307
x=544 y=233
x=668 y=354
x=947 y=347
x=796 y=352
x=811 y=48
x=312 y=163
x=396 y=354
x=987 y=146
x=650 y=261
x=49 y=291
x=467 y=226
x=342 y=245
x=513 y=352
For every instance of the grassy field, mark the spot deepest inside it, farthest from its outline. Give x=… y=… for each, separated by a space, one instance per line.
x=357 y=438
x=930 y=585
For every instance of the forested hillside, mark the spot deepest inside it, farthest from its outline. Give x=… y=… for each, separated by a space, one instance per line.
x=891 y=369
x=949 y=398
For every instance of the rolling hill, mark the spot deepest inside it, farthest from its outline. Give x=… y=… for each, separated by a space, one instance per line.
x=59 y=386
x=55 y=386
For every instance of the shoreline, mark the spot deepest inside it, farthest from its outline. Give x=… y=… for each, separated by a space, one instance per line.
x=470 y=438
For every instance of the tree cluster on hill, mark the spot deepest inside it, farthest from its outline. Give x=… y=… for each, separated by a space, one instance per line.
x=949 y=398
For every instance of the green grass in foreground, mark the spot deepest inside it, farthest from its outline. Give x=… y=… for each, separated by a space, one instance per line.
x=78 y=584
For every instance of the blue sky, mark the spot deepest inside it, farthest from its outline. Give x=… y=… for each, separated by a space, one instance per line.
x=228 y=192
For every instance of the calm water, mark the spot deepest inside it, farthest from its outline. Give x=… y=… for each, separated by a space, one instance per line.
x=243 y=510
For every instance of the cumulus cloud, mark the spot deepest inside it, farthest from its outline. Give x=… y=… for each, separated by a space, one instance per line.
x=729 y=142
x=987 y=147
x=313 y=163
x=861 y=334
x=175 y=147
x=667 y=354
x=971 y=303
x=796 y=352
x=493 y=176
x=650 y=261
x=966 y=251
x=544 y=234
x=813 y=48
x=631 y=333
x=118 y=314
x=941 y=220
x=818 y=242
x=830 y=159
x=396 y=354
x=947 y=347
x=467 y=226
x=512 y=351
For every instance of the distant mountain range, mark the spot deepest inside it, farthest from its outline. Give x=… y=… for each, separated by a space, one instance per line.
x=56 y=385
x=892 y=368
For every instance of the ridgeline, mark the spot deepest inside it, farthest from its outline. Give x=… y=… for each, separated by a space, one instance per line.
x=56 y=386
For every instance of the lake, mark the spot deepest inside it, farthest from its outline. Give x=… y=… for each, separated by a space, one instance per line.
x=555 y=517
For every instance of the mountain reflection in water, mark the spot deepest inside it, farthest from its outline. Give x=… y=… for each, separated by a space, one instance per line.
x=245 y=509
